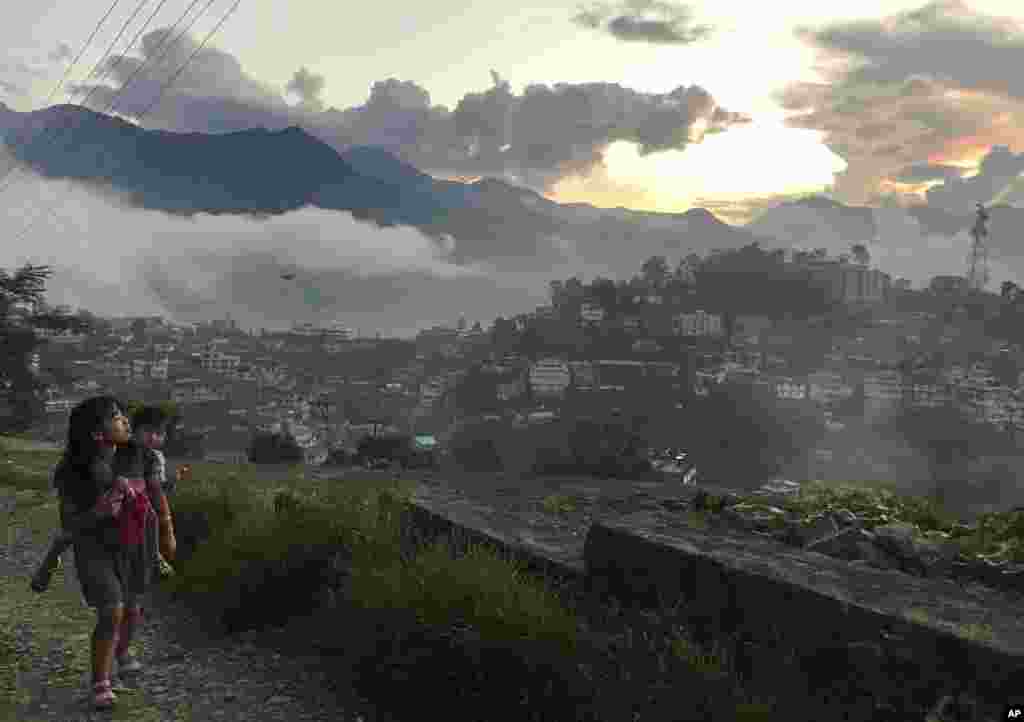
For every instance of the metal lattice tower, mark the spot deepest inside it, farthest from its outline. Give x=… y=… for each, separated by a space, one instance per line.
x=977 y=258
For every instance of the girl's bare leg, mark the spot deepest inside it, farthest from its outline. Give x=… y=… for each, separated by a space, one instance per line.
x=129 y=626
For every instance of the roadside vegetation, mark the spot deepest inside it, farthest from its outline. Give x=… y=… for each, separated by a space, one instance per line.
x=996 y=536
x=412 y=616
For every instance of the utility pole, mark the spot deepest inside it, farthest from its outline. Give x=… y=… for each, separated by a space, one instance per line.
x=977 y=259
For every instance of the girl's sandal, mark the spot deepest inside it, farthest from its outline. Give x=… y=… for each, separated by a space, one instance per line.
x=103 y=695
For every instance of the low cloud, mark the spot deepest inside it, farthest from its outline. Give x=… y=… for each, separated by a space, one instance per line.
x=116 y=260
x=645 y=21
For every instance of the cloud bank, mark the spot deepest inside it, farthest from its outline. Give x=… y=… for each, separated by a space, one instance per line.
x=112 y=259
x=908 y=99
x=542 y=135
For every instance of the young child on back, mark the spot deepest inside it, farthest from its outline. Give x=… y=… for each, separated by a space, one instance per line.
x=149 y=430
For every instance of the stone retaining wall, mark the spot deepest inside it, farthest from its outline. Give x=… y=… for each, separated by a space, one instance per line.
x=887 y=633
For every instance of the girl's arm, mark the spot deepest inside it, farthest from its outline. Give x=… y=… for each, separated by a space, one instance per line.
x=157 y=488
x=168 y=544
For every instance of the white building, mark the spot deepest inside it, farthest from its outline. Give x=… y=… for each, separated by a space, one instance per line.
x=826 y=387
x=591 y=313
x=217 y=361
x=787 y=388
x=60 y=336
x=698 y=323
x=60 y=405
x=550 y=377
x=194 y=391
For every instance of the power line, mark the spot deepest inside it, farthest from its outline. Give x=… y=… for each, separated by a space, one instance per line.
x=32 y=141
x=153 y=57
x=52 y=131
x=195 y=52
x=81 y=52
x=166 y=49
x=164 y=87
x=74 y=62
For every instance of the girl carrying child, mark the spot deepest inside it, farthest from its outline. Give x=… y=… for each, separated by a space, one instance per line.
x=107 y=513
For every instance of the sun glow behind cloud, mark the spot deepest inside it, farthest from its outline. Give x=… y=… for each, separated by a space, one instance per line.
x=760 y=159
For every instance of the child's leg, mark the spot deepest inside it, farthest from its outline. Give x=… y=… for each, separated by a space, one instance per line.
x=126 y=633
x=44 y=572
x=104 y=640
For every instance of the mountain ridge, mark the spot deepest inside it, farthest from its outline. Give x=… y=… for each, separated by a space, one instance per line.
x=264 y=172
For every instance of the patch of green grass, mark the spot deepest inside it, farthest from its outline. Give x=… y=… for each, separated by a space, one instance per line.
x=23 y=469
x=977 y=632
x=559 y=503
x=997 y=535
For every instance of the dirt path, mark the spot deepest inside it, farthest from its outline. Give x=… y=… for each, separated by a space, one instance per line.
x=44 y=657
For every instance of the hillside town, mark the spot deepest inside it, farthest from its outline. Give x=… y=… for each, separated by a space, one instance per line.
x=650 y=339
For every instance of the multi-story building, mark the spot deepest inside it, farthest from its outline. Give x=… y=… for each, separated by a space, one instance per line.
x=243 y=372
x=697 y=323
x=788 y=388
x=883 y=392
x=928 y=395
x=143 y=368
x=550 y=377
x=948 y=284
x=213 y=360
x=591 y=314
x=850 y=282
x=633 y=323
x=828 y=387
x=194 y=391
x=60 y=336
x=63 y=406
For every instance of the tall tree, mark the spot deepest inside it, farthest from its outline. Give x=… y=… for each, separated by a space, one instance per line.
x=655 y=271
x=604 y=293
x=20 y=403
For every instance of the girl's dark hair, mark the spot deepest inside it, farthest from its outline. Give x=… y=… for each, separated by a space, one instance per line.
x=81 y=473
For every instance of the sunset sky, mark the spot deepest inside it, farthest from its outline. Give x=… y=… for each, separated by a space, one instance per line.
x=653 y=106
x=891 y=96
